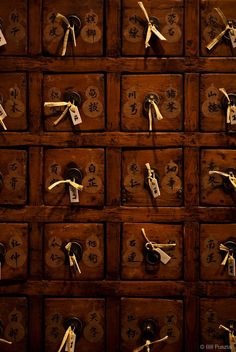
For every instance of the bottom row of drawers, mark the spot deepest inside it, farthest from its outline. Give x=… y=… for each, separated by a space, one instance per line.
x=141 y=319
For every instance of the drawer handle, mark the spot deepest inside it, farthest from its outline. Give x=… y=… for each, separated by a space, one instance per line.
x=228 y=27
x=151 y=109
x=231 y=336
x=152 y=29
x=73 y=25
x=228 y=103
x=3 y=114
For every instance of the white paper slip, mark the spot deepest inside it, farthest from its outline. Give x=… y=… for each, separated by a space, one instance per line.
x=2 y=39
x=154 y=187
x=233 y=37
x=74 y=194
x=233 y=115
x=231 y=266
x=75 y=116
x=165 y=258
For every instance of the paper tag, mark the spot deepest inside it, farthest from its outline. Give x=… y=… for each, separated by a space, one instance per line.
x=165 y=258
x=154 y=187
x=233 y=115
x=75 y=116
x=70 y=342
x=233 y=37
x=3 y=113
x=2 y=39
x=157 y=33
x=231 y=266
x=74 y=194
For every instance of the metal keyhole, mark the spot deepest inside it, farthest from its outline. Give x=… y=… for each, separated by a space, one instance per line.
x=226 y=184
x=149 y=97
x=2 y=253
x=149 y=329
x=76 y=325
x=73 y=97
x=224 y=101
x=152 y=257
x=73 y=20
x=232 y=246
x=73 y=173
x=232 y=24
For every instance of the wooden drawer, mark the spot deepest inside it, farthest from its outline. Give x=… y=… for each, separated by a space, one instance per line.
x=90 y=162
x=90 y=36
x=169 y=92
x=13 y=176
x=168 y=315
x=139 y=264
x=168 y=166
x=89 y=87
x=13 y=323
x=212 y=25
x=13 y=100
x=170 y=18
x=90 y=312
x=213 y=189
x=88 y=240
x=13 y=23
x=213 y=114
x=214 y=312
x=210 y=254
x=14 y=251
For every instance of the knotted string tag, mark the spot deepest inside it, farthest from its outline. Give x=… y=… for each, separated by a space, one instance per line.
x=148 y=343
x=231 y=109
x=68 y=341
x=3 y=114
x=152 y=182
x=71 y=183
x=232 y=339
x=151 y=27
x=73 y=109
x=230 y=176
x=228 y=259
x=225 y=30
x=70 y=29
x=2 y=39
x=153 y=112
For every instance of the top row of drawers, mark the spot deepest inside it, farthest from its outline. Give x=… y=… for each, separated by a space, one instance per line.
x=170 y=14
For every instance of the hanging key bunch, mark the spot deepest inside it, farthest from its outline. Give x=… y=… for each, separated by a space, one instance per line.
x=68 y=340
x=228 y=259
x=229 y=29
x=72 y=257
x=158 y=248
x=232 y=338
x=231 y=108
x=152 y=29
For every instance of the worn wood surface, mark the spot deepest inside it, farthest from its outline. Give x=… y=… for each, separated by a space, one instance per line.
x=114 y=61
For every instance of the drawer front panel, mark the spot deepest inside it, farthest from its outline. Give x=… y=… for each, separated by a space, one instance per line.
x=137 y=88
x=90 y=244
x=139 y=264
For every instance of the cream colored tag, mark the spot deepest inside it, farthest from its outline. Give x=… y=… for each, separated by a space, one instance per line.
x=152 y=182
x=75 y=115
x=232 y=34
x=231 y=266
x=2 y=39
x=74 y=194
x=233 y=115
x=165 y=258
x=3 y=114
